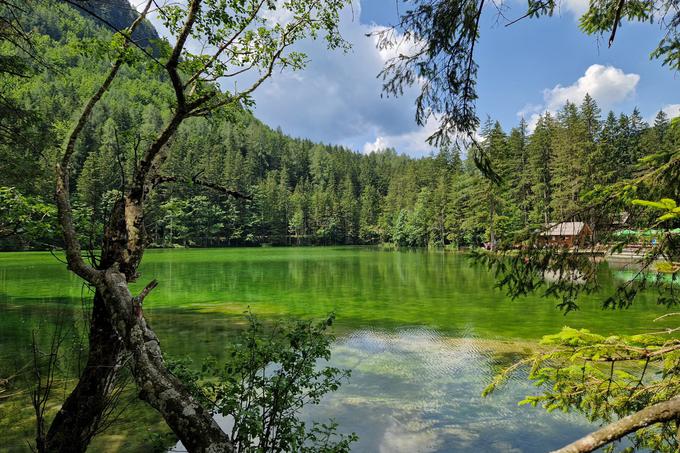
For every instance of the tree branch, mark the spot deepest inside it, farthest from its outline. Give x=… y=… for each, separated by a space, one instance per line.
x=657 y=413
x=114 y=28
x=530 y=12
x=149 y=161
x=269 y=71
x=145 y=292
x=617 y=19
x=62 y=192
x=225 y=45
x=173 y=62
x=199 y=182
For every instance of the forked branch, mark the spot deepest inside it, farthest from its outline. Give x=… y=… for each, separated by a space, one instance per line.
x=62 y=193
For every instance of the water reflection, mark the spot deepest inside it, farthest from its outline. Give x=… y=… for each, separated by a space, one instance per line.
x=414 y=390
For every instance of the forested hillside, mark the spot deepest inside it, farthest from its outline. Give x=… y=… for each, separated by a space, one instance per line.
x=295 y=191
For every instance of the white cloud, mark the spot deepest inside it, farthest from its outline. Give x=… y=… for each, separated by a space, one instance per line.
x=380 y=144
x=606 y=84
x=338 y=98
x=576 y=7
x=412 y=142
x=672 y=110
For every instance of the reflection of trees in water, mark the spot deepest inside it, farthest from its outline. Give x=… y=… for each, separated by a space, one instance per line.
x=391 y=289
x=24 y=320
x=198 y=307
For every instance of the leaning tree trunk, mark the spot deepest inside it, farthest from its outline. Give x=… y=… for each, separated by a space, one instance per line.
x=119 y=330
x=192 y=423
x=81 y=415
x=123 y=247
x=118 y=325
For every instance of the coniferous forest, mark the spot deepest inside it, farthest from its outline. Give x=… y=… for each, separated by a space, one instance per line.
x=293 y=191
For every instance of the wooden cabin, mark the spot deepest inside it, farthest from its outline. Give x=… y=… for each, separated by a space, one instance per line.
x=567 y=234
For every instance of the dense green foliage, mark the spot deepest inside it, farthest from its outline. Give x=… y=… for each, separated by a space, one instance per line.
x=269 y=375
x=301 y=192
x=572 y=165
x=608 y=378
x=304 y=192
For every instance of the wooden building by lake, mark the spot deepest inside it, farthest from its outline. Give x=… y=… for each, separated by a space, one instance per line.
x=567 y=234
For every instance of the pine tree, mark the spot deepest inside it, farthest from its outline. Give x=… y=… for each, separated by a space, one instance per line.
x=349 y=212
x=495 y=146
x=369 y=231
x=519 y=180
x=568 y=162
x=540 y=151
x=589 y=116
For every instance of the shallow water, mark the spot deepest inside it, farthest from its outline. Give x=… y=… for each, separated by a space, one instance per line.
x=423 y=333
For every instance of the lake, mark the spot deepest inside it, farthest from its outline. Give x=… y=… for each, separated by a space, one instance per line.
x=423 y=333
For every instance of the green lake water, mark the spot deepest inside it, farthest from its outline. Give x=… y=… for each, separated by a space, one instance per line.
x=423 y=332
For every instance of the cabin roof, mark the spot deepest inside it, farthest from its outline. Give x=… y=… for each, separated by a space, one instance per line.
x=565 y=229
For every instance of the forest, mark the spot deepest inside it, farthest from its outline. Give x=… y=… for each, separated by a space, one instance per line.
x=296 y=192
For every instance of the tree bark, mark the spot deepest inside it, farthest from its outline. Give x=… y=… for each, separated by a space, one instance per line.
x=119 y=326
x=657 y=413
x=192 y=423
x=80 y=416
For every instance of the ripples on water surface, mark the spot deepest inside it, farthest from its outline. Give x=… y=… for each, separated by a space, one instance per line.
x=413 y=390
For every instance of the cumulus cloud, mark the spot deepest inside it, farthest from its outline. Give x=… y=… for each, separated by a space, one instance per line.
x=338 y=97
x=606 y=84
x=412 y=142
x=672 y=110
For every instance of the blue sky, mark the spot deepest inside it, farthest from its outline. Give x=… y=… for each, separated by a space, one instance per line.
x=525 y=69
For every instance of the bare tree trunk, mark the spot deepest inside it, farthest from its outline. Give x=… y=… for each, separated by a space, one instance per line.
x=192 y=423
x=80 y=416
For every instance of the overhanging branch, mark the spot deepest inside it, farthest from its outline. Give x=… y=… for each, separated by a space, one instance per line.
x=657 y=413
